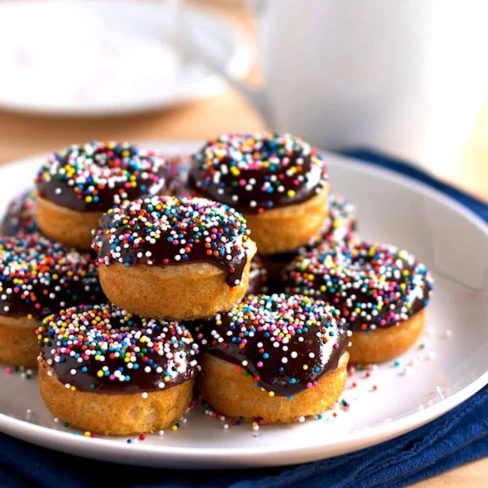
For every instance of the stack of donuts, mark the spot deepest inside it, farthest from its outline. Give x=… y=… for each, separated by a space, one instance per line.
x=136 y=280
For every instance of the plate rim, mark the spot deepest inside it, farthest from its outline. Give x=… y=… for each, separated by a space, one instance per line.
x=255 y=456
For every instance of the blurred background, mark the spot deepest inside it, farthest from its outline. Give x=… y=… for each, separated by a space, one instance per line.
x=409 y=79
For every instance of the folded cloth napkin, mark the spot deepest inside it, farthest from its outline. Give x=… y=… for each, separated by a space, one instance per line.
x=458 y=437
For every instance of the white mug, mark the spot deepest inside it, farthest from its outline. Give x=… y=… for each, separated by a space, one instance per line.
x=406 y=77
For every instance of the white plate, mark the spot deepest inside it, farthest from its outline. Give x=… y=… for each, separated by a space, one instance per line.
x=99 y=58
x=427 y=382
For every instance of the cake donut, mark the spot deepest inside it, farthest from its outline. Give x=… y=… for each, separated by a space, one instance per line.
x=109 y=372
x=273 y=357
x=39 y=277
x=174 y=257
x=381 y=291
x=339 y=229
x=75 y=187
x=278 y=182
x=19 y=219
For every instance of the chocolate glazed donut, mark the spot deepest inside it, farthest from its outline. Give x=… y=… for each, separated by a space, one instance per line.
x=97 y=360
x=381 y=291
x=276 y=357
x=75 y=187
x=278 y=182
x=174 y=257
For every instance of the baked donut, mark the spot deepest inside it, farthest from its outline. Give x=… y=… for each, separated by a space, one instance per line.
x=76 y=187
x=109 y=372
x=381 y=291
x=278 y=182
x=339 y=229
x=274 y=357
x=39 y=277
x=173 y=257
x=19 y=219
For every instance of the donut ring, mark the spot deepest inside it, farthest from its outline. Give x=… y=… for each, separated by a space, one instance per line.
x=380 y=290
x=97 y=360
x=278 y=182
x=75 y=187
x=174 y=257
x=19 y=219
x=39 y=277
x=339 y=229
x=275 y=357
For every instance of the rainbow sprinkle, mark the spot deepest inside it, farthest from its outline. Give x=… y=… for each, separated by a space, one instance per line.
x=258 y=172
x=373 y=285
x=169 y=230
x=105 y=348
x=39 y=276
x=96 y=175
x=286 y=343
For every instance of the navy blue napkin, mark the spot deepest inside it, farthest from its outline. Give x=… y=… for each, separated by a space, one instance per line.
x=456 y=438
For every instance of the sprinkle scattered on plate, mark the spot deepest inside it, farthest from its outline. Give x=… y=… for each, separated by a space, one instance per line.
x=447 y=365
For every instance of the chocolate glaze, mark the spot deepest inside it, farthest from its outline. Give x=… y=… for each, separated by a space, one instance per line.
x=97 y=338
x=211 y=172
x=89 y=381
x=348 y=280
x=110 y=170
x=293 y=378
x=227 y=245
x=57 y=277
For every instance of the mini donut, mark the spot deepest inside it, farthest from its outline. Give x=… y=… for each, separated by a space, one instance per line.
x=278 y=182
x=258 y=277
x=381 y=291
x=19 y=219
x=174 y=257
x=76 y=187
x=339 y=229
x=39 y=277
x=274 y=357
x=109 y=372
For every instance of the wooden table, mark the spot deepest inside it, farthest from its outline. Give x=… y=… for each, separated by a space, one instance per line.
x=22 y=135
